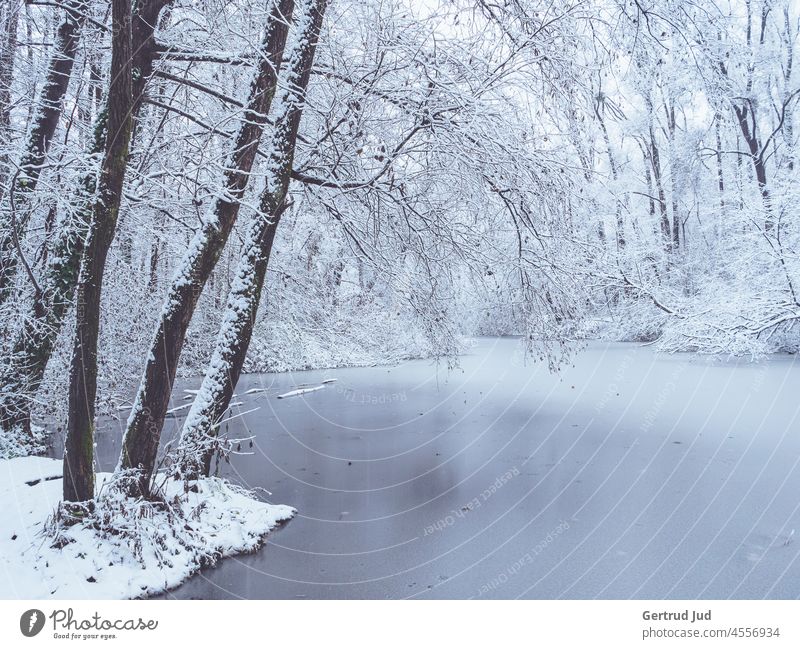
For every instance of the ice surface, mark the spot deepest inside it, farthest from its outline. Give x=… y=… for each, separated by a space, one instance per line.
x=632 y=474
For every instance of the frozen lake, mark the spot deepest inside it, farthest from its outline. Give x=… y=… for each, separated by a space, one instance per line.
x=629 y=475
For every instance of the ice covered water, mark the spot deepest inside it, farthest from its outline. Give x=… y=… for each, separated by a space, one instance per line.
x=628 y=474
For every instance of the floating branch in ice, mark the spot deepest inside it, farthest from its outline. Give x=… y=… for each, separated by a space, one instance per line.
x=172 y=411
x=299 y=391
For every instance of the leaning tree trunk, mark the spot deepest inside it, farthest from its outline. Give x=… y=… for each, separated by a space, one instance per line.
x=236 y=329
x=51 y=103
x=34 y=341
x=140 y=444
x=78 y=448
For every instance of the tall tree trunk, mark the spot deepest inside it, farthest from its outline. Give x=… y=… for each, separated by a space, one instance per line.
x=788 y=122
x=9 y=22
x=655 y=162
x=720 y=176
x=720 y=170
x=615 y=175
x=746 y=117
x=648 y=180
x=236 y=329
x=33 y=344
x=78 y=448
x=140 y=443
x=50 y=107
x=676 y=216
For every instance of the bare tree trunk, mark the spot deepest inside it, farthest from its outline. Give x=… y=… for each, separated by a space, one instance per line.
x=648 y=179
x=140 y=444
x=720 y=171
x=33 y=343
x=748 y=124
x=9 y=21
x=50 y=107
x=655 y=162
x=788 y=123
x=78 y=447
x=745 y=116
x=236 y=329
x=676 y=217
x=615 y=175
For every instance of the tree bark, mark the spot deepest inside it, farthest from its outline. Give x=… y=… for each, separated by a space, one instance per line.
x=236 y=329
x=140 y=443
x=669 y=108
x=51 y=104
x=615 y=175
x=78 y=448
x=746 y=117
x=9 y=22
x=655 y=162
x=34 y=340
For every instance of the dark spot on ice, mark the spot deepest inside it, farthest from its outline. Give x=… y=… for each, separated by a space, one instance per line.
x=14 y=537
x=349 y=463
x=677 y=442
x=32 y=483
x=91 y=580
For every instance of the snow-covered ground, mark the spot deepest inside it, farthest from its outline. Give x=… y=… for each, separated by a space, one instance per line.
x=152 y=551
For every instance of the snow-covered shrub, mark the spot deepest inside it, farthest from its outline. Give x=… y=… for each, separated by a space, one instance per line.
x=19 y=443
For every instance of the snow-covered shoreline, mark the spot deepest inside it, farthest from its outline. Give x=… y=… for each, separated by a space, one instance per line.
x=152 y=550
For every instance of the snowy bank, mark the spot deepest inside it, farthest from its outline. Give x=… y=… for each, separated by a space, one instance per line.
x=154 y=546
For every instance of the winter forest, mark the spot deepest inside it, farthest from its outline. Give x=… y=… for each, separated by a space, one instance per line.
x=208 y=206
